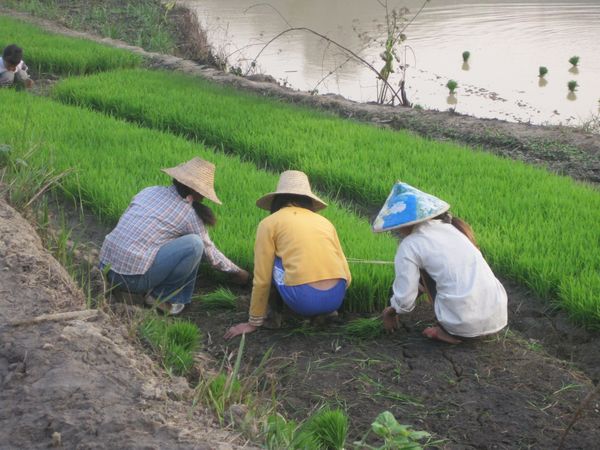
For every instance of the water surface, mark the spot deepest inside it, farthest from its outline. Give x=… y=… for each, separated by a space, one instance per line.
x=507 y=40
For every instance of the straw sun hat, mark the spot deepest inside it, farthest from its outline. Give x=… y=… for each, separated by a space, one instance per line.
x=291 y=182
x=198 y=175
x=407 y=206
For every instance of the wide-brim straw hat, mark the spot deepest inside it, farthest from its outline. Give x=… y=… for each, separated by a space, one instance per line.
x=291 y=182
x=407 y=206
x=197 y=174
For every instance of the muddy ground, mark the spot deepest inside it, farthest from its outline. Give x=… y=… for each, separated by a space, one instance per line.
x=518 y=389
x=75 y=378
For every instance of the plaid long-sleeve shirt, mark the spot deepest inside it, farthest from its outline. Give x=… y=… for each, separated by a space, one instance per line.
x=155 y=216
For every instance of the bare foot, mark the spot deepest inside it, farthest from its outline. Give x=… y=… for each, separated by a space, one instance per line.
x=439 y=334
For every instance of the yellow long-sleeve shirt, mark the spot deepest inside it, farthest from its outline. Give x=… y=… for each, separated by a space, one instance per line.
x=308 y=246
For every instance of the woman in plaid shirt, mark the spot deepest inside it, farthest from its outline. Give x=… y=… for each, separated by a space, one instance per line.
x=156 y=247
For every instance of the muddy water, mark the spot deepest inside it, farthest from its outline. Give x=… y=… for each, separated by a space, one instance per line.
x=507 y=40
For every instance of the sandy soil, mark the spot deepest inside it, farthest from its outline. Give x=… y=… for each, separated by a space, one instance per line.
x=73 y=376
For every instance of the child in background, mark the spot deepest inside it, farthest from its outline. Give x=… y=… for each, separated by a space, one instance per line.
x=12 y=67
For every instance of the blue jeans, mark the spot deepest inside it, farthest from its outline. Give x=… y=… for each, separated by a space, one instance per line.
x=305 y=299
x=172 y=275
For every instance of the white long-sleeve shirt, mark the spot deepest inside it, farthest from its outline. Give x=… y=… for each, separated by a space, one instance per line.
x=470 y=301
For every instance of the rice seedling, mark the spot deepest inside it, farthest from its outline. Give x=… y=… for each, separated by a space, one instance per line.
x=451 y=85
x=574 y=60
x=542 y=71
x=174 y=342
x=221 y=298
x=364 y=329
x=527 y=232
x=466 y=55
x=572 y=85
x=45 y=52
x=328 y=427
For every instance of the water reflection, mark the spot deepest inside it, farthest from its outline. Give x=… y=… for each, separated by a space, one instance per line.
x=574 y=70
x=542 y=82
x=571 y=96
x=465 y=66
x=509 y=39
x=451 y=99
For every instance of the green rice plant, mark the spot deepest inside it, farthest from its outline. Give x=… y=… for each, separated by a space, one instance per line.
x=280 y=433
x=527 y=231
x=329 y=427
x=572 y=85
x=451 y=85
x=174 y=341
x=45 y=52
x=466 y=55
x=221 y=298
x=107 y=177
x=574 y=60
x=542 y=71
x=364 y=329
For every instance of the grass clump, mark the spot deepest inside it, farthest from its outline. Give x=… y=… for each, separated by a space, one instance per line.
x=364 y=329
x=466 y=55
x=542 y=71
x=50 y=53
x=574 y=60
x=451 y=85
x=572 y=85
x=396 y=436
x=175 y=342
x=328 y=427
x=138 y=22
x=221 y=298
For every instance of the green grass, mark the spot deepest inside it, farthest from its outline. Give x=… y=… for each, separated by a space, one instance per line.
x=114 y=160
x=221 y=298
x=174 y=341
x=364 y=329
x=138 y=22
x=45 y=52
x=533 y=226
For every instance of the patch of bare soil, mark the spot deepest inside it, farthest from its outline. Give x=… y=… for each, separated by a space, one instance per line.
x=518 y=389
x=72 y=377
x=562 y=150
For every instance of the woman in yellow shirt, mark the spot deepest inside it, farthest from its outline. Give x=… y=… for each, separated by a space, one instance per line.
x=298 y=251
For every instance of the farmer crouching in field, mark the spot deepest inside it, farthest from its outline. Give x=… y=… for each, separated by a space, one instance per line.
x=440 y=250
x=157 y=245
x=298 y=251
x=12 y=68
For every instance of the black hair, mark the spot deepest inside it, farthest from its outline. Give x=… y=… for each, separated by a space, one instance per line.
x=460 y=225
x=12 y=54
x=204 y=212
x=301 y=201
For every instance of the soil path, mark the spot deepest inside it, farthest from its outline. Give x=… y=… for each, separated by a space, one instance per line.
x=74 y=378
x=563 y=150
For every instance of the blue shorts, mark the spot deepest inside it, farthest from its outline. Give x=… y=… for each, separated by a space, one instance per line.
x=307 y=300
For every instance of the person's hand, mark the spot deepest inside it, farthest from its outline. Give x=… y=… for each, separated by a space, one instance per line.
x=240 y=328
x=390 y=319
x=241 y=278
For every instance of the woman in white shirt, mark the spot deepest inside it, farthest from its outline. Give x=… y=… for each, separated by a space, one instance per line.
x=441 y=252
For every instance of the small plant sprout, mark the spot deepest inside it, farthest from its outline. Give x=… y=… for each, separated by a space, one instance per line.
x=221 y=298
x=395 y=435
x=466 y=55
x=364 y=329
x=574 y=60
x=542 y=71
x=572 y=85
x=452 y=85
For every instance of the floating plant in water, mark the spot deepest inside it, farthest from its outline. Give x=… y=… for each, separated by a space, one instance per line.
x=451 y=85
x=572 y=85
x=466 y=55
x=543 y=71
x=574 y=60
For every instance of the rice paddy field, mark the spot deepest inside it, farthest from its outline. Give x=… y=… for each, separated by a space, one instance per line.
x=540 y=229
x=115 y=130
x=50 y=53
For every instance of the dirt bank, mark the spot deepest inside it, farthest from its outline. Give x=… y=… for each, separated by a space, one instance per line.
x=563 y=150
x=74 y=377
